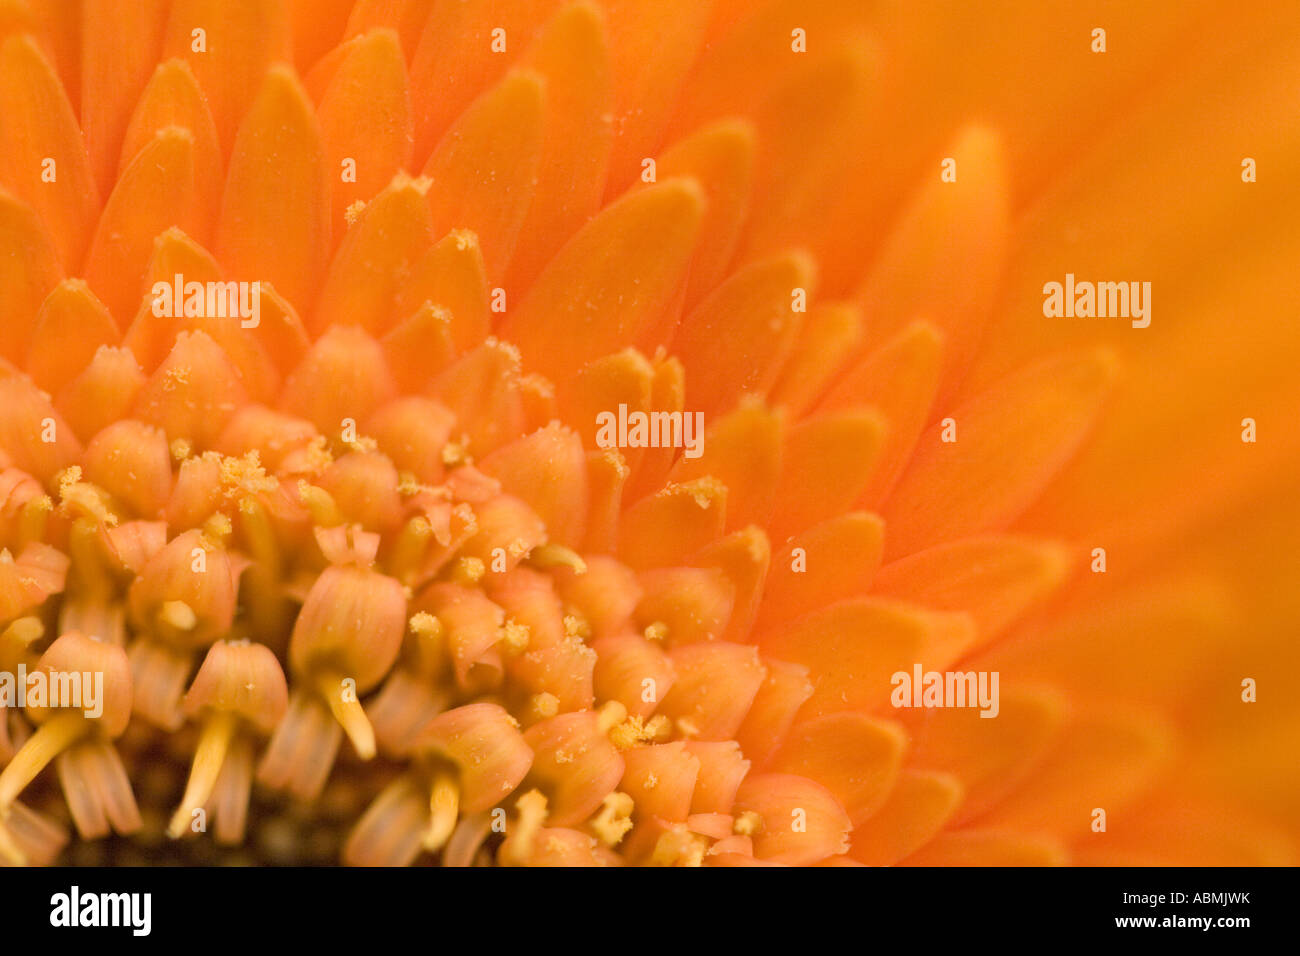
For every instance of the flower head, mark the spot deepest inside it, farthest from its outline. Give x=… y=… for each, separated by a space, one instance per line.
x=575 y=433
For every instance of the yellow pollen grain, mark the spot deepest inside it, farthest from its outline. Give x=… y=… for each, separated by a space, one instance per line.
x=176 y=377
x=424 y=624
x=216 y=529
x=244 y=476
x=180 y=449
x=657 y=631
x=633 y=731
x=363 y=443
x=515 y=635
x=747 y=824
x=67 y=479
x=317 y=456
x=354 y=211
x=576 y=626
x=454 y=454
x=408 y=485
x=469 y=571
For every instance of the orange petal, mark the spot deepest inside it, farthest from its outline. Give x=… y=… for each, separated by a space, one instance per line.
x=365 y=118
x=29 y=269
x=389 y=236
x=830 y=561
x=37 y=127
x=481 y=388
x=610 y=282
x=157 y=191
x=663 y=529
x=829 y=332
x=716 y=683
x=1103 y=759
x=802 y=822
x=240 y=40
x=857 y=758
x=343 y=376
x=743 y=556
x=783 y=692
x=571 y=55
x=654 y=53
x=661 y=779
x=317 y=26
x=407 y=17
x=121 y=45
x=826 y=463
x=420 y=347
x=988 y=848
x=574 y=764
x=810 y=188
x=852 y=649
x=150 y=336
x=1011 y=440
x=990 y=758
x=193 y=393
x=722 y=768
x=104 y=392
x=916 y=809
x=548 y=470
x=486 y=745
x=738 y=338
x=605 y=595
x=278 y=152
x=70 y=328
x=453 y=277
x=29 y=421
x=688 y=605
x=173 y=98
x=720 y=157
x=743 y=451
x=624 y=662
x=995 y=579
x=606 y=473
x=484 y=170
x=455 y=60
x=945 y=258
x=900 y=379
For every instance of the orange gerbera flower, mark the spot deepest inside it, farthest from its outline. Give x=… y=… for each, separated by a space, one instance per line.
x=648 y=433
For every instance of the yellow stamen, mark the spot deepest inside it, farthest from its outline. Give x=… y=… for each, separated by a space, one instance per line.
x=610 y=716
x=552 y=555
x=345 y=706
x=179 y=615
x=614 y=819
x=320 y=504
x=34 y=518
x=444 y=808
x=214 y=742
x=52 y=738
x=531 y=807
x=544 y=705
